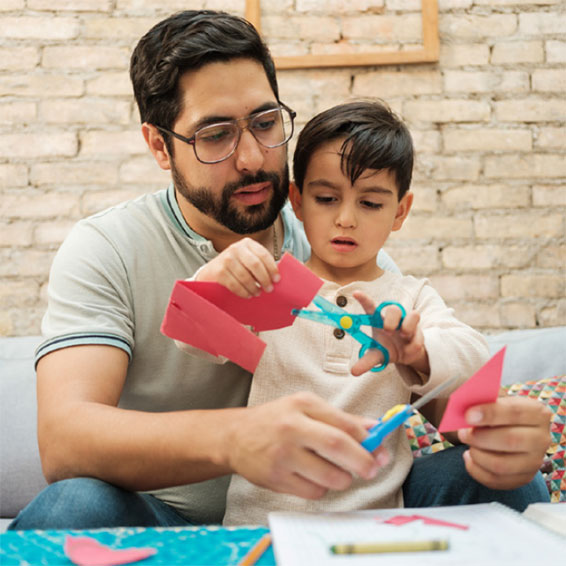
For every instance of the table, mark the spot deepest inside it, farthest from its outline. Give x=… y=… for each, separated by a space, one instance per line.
x=190 y=546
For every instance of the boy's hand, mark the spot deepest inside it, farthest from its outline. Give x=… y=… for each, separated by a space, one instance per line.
x=405 y=346
x=245 y=268
x=507 y=442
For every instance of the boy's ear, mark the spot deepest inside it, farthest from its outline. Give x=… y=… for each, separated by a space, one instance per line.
x=296 y=199
x=156 y=145
x=403 y=209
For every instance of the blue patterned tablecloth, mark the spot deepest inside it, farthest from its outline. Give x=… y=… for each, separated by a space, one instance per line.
x=190 y=546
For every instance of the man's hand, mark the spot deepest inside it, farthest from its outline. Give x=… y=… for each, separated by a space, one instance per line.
x=507 y=442
x=405 y=346
x=301 y=445
x=244 y=267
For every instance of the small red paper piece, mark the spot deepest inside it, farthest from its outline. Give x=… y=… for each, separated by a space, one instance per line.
x=86 y=551
x=208 y=316
x=400 y=520
x=482 y=387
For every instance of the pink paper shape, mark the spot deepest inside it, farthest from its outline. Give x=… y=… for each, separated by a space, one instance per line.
x=482 y=387
x=400 y=520
x=86 y=551
x=208 y=316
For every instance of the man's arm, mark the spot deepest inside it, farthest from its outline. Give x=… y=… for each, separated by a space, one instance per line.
x=297 y=444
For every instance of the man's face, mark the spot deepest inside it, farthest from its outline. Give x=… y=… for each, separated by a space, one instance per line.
x=245 y=192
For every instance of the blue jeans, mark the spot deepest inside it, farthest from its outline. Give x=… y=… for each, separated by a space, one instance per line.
x=85 y=503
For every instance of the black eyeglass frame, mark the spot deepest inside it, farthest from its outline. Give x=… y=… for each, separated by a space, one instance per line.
x=192 y=139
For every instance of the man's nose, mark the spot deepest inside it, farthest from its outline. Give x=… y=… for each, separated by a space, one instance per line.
x=249 y=153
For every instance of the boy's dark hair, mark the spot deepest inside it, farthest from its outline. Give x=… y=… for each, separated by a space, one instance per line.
x=187 y=41
x=374 y=139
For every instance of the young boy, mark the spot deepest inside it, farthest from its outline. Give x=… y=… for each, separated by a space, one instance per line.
x=352 y=171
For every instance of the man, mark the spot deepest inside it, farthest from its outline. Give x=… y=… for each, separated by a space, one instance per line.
x=121 y=409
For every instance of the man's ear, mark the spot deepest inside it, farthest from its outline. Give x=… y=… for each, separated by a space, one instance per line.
x=403 y=209
x=296 y=199
x=156 y=145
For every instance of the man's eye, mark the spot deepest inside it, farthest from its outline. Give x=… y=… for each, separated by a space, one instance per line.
x=264 y=124
x=214 y=135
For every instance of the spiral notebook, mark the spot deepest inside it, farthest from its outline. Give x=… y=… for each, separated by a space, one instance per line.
x=489 y=534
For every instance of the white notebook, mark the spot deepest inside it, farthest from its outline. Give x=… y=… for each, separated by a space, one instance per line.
x=488 y=534
x=549 y=515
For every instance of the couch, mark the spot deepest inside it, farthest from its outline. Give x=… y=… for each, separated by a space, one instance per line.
x=532 y=355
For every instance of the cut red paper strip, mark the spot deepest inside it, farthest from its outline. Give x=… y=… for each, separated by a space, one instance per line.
x=208 y=316
x=86 y=551
x=482 y=387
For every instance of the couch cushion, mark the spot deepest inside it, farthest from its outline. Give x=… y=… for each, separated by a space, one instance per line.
x=20 y=469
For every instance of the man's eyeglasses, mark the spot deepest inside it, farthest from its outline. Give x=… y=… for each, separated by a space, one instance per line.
x=217 y=142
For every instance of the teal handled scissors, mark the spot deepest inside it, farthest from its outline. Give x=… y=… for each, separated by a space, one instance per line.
x=335 y=316
x=398 y=414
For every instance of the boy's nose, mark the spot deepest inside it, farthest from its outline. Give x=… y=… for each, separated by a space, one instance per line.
x=346 y=217
x=249 y=153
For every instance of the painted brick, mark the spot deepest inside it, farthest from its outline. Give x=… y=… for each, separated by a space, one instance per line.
x=87 y=57
x=441 y=111
x=554 y=314
x=518 y=315
x=386 y=85
x=168 y=6
x=19 y=112
x=73 y=173
x=85 y=111
x=479 y=196
x=52 y=233
x=464 y=55
x=475 y=27
x=129 y=27
x=425 y=198
x=426 y=141
x=484 y=139
x=552 y=257
x=13 y=175
x=381 y=29
x=532 y=285
x=143 y=170
x=549 y=80
x=339 y=6
x=513 y=52
x=417 y=260
x=35 y=204
x=95 y=201
x=477 y=315
x=15 y=234
x=463 y=287
x=18 y=58
x=485 y=257
x=41 y=83
x=24 y=263
x=98 y=142
x=40 y=27
x=315 y=28
x=113 y=83
x=518 y=226
x=18 y=293
x=542 y=23
x=34 y=145
x=70 y=5
x=485 y=81
x=551 y=137
x=9 y=5
x=555 y=51
x=549 y=195
x=456 y=168
x=515 y=2
x=434 y=227
x=540 y=165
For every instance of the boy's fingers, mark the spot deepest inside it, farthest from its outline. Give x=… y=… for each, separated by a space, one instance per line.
x=509 y=411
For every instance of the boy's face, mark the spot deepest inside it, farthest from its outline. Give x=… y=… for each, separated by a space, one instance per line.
x=347 y=224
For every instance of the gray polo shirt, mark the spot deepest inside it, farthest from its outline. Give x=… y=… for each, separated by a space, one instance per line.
x=110 y=283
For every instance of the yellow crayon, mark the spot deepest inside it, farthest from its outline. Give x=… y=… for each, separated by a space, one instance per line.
x=393 y=546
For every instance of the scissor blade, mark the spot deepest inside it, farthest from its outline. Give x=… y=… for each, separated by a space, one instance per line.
x=434 y=392
x=316 y=316
x=326 y=305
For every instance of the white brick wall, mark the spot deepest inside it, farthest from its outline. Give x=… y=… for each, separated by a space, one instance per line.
x=489 y=221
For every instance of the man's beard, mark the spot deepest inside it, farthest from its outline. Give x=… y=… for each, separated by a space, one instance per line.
x=256 y=217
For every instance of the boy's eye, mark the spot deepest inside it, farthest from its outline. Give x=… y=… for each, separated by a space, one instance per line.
x=372 y=205
x=324 y=199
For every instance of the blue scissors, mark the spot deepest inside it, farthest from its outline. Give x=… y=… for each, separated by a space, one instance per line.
x=335 y=316
x=398 y=414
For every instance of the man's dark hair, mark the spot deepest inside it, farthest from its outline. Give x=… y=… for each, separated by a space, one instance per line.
x=187 y=41
x=374 y=139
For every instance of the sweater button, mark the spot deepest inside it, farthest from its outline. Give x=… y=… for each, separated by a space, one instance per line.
x=339 y=333
x=341 y=301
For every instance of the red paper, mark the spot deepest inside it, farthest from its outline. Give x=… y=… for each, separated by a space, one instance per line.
x=400 y=520
x=482 y=387
x=208 y=316
x=86 y=551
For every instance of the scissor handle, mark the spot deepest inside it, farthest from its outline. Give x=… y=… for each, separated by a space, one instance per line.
x=376 y=345
x=395 y=417
x=377 y=318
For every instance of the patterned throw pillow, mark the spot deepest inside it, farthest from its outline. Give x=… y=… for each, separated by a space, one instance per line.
x=425 y=439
